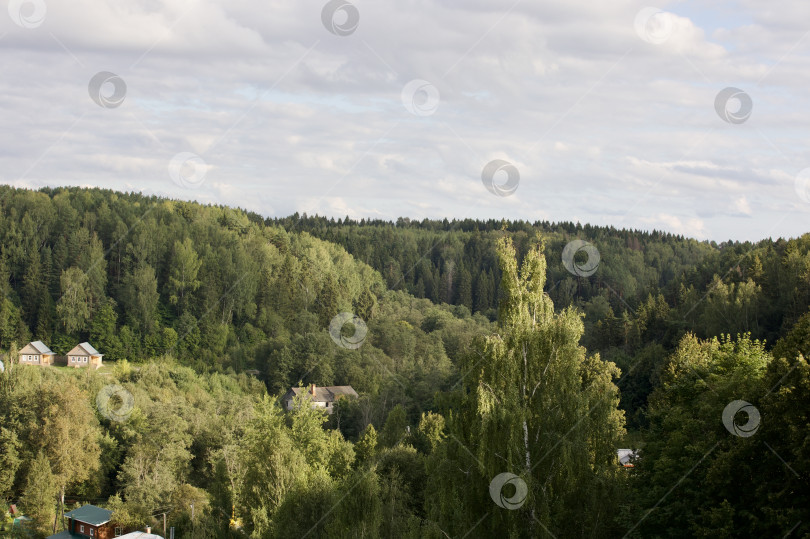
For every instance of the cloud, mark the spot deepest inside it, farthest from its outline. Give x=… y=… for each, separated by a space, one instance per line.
x=601 y=124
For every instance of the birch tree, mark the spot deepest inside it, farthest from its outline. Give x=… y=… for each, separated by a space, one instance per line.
x=537 y=406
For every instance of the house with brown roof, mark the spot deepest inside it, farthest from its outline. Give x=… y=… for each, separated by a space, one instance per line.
x=87 y=521
x=321 y=397
x=36 y=353
x=84 y=355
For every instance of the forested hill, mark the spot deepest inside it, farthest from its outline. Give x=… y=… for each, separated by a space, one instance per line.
x=216 y=288
x=648 y=291
x=761 y=287
x=206 y=315
x=222 y=288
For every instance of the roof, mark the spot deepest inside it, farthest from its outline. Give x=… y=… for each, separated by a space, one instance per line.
x=626 y=456
x=84 y=349
x=324 y=394
x=140 y=535
x=38 y=346
x=90 y=514
x=64 y=535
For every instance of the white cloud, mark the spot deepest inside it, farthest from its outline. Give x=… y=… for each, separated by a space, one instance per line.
x=601 y=124
x=742 y=206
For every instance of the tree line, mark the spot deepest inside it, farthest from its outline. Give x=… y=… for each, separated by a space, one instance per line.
x=495 y=406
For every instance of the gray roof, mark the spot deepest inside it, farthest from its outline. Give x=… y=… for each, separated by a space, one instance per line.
x=90 y=514
x=41 y=348
x=140 y=535
x=323 y=394
x=84 y=349
x=89 y=349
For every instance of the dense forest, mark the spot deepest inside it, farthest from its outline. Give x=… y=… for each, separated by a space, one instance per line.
x=485 y=355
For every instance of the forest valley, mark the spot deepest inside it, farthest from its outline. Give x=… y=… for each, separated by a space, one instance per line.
x=484 y=356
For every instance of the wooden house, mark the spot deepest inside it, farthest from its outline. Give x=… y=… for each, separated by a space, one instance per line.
x=84 y=355
x=87 y=521
x=36 y=353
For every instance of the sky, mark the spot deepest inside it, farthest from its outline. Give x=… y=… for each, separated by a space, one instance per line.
x=687 y=117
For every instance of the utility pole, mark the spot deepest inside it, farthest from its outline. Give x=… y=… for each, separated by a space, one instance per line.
x=192 y=520
x=164 y=524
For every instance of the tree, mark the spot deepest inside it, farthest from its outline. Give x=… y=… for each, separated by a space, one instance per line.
x=365 y=305
x=689 y=447
x=157 y=463
x=9 y=461
x=328 y=299
x=366 y=446
x=395 y=430
x=537 y=406
x=272 y=465
x=69 y=435
x=103 y=331
x=33 y=288
x=464 y=288
x=142 y=296
x=430 y=433
x=39 y=496
x=183 y=273
x=122 y=514
x=73 y=307
x=95 y=267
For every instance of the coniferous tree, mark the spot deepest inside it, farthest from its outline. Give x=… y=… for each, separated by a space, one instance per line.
x=73 y=307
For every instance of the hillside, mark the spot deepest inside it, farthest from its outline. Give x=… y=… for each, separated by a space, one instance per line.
x=478 y=335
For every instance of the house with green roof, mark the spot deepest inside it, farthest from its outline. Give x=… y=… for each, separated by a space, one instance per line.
x=87 y=521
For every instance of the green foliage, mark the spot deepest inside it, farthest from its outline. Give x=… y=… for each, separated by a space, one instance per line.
x=688 y=447
x=181 y=297
x=9 y=461
x=366 y=446
x=39 y=496
x=73 y=307
x=396 y=428
x=536 y=405
x=431 y=432
x=184 y=269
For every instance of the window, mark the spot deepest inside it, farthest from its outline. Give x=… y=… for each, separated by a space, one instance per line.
x=92 y=532
x=81 y=528
x=85 y=360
